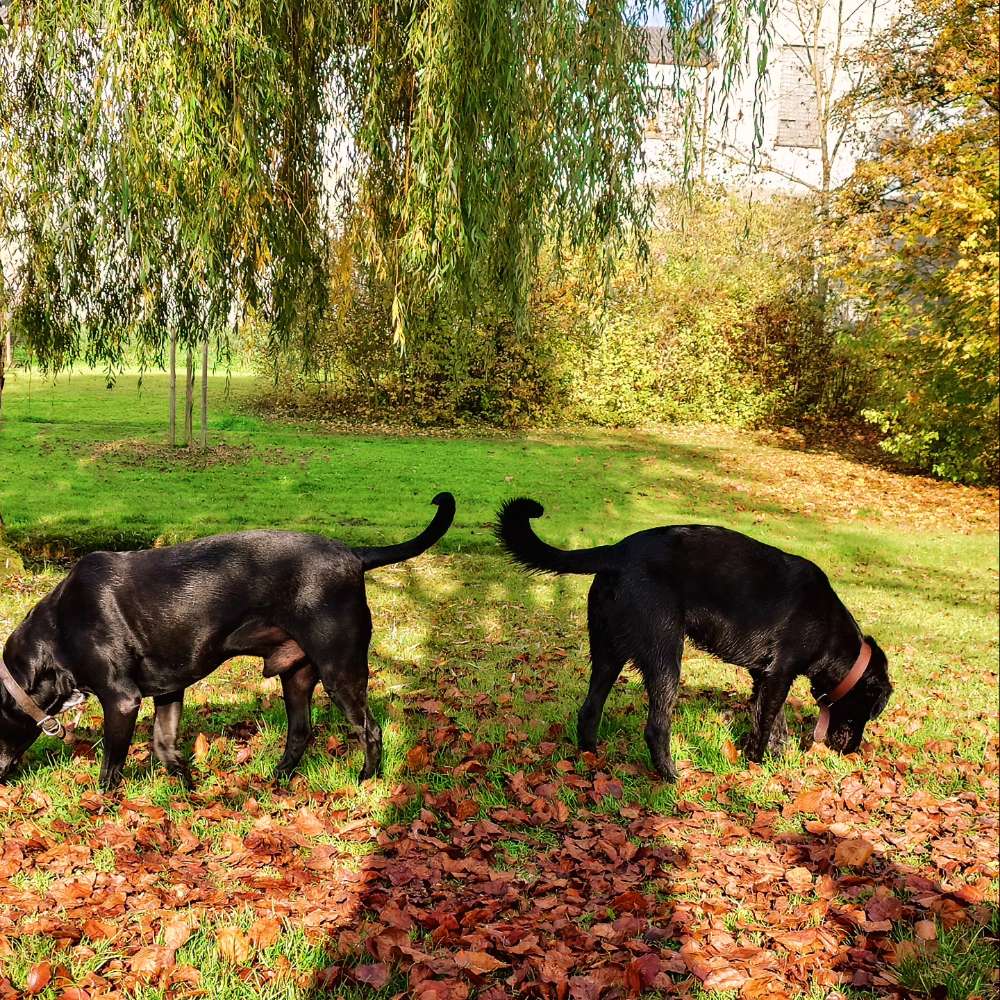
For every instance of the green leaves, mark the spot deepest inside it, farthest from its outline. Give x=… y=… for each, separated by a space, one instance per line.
x=431 y=149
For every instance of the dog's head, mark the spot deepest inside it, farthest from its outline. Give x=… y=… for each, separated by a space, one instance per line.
x=17 y=733
x=866 y=700
x=51 y=688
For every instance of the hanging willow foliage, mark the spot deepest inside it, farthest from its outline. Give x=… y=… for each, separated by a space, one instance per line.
x=170 y=165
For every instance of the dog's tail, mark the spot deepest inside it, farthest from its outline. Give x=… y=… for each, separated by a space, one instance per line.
x=384 y=555
x=519 y=539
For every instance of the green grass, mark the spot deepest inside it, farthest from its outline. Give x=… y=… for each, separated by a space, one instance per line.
x=83 y=467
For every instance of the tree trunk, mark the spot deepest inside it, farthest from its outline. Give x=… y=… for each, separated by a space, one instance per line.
x=204 y=393
x=173 y=388
x=189 y=400
x=6 y=357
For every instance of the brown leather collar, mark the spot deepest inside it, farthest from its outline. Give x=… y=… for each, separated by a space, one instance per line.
x=49 y=724
x=825 y=701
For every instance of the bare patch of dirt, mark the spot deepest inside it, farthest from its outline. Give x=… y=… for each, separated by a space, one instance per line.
x=136 y=452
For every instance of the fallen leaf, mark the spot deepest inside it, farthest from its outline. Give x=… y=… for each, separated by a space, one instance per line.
x=201 y=747
x=724 y=979
x=233 y=945
x=853 y=853
x=176 y=933
x=375 y=975
x=265 y=932
x=151 y=961
x=480 y=962
x=925 y=930
x=38 y=978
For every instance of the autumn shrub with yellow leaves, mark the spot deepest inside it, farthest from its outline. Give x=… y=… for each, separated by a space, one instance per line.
x=917 y=244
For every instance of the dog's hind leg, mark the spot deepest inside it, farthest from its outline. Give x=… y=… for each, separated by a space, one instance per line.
x=340 y=651
x=121 y=709
x=606 y=664
x=166 y=722
x=297 y=686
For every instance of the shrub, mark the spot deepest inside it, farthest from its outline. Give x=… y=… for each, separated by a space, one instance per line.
x=723 y=325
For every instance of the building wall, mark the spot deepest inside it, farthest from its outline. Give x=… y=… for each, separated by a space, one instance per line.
x=787 y=158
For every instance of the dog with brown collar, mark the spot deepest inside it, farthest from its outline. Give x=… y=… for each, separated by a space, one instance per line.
x=124 y=626
x=748 y=603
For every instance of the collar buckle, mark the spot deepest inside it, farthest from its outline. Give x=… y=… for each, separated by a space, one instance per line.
x=51 y=726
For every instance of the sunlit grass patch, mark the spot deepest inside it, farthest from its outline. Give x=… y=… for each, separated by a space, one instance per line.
x=959 y=963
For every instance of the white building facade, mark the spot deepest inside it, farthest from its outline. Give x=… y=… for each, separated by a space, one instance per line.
x=782 y=134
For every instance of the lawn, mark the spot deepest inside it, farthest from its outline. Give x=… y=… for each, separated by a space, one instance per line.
x=493 y=859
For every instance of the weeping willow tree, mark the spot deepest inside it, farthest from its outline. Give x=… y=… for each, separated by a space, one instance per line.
x=170 y=169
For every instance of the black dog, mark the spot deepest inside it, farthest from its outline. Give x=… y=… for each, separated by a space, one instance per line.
x=129 y=625
x=747 y=603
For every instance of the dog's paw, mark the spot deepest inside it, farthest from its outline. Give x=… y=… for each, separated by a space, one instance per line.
x=282 y=776
x=667 y=772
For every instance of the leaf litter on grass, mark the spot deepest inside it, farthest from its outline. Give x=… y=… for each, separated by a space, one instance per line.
x=607 y=902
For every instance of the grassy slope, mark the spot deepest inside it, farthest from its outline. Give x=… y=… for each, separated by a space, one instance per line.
x=916 y=561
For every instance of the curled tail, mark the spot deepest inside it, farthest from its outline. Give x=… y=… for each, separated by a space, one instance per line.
x=384 y=555
x=519 y=539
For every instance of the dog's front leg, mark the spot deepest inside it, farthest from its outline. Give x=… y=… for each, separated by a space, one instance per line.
x=297 y=688
x=121 y=709
x=766 y=733
x=165 y=725
x=661 y=688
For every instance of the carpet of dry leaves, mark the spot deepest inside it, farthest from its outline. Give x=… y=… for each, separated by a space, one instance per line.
x=605 y=903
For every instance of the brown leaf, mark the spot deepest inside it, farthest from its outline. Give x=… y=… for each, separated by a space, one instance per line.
x=730 y=752
x=642 y=972
x=807 y=801
x=926 y=930
x=97 y=930
x=74 y=993
x=375 y=975
x=417 y=758
x=176 y=933
x=724 y=979
x=479 y=962
x=799 y=878
x=853 y=853
x=151 y=961
x=308 y=823
x=38 y=978
x=233 y=945
x=265 y=932
x=201 y=747
x=630 y=902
